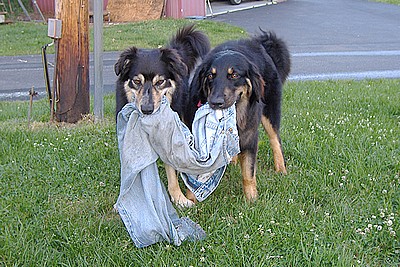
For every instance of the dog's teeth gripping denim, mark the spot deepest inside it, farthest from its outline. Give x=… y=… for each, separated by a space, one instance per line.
x=143 y=202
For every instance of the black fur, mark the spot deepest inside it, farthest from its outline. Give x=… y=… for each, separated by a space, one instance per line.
x=175 y=62
x=251 y=73
x=265 y=59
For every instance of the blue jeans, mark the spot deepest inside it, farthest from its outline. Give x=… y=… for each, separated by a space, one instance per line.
x=143 y=203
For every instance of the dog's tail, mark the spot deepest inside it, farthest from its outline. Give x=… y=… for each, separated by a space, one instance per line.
x=278 y=51
x=191 y=44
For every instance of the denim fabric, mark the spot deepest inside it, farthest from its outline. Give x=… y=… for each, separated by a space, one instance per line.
x=143 y=202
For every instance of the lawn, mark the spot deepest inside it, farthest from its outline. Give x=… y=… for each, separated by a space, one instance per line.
x=337 y=206
x=23 y=38
x=394 y=2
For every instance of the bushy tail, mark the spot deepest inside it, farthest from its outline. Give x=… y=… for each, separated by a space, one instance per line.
x=278 y=51
x=191 y=44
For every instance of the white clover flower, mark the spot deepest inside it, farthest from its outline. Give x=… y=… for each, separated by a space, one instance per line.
x=261 y=229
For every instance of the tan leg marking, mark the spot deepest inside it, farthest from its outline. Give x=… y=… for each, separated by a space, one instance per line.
x=234 y=160
x=275 y=145
x=249 y=176
x=191 y=196
x=174 y=190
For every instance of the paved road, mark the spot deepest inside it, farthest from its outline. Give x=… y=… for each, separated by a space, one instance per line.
x=339 y=39
x=19 y=73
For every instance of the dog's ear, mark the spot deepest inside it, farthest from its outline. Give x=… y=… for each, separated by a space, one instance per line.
x=198 y=88
x=125 y=61
x=174 y=63
x=256 y=82
x=197 y=92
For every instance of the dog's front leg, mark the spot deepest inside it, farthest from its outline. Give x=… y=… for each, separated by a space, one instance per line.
x=174 y=190
x=248 y=166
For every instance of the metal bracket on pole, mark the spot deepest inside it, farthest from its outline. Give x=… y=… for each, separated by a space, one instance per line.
x=54 y=27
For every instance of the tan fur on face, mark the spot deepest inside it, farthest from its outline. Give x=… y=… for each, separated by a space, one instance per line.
x=170 y=91
x=134 y=91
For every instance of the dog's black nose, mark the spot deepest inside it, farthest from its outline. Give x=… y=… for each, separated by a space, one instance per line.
x=217 y=102
x=147 y=109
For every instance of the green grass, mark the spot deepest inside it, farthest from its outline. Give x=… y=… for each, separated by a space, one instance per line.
x=23 y=38
x=338 y=205
x=393 y=2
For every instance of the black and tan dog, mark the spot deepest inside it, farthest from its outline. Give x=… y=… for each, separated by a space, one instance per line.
x=146 y=75
x=250 y=73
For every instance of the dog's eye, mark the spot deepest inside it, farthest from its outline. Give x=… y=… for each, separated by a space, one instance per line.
x=235 y=75
x=137 y=81
x=210 y=76
x=160 y=82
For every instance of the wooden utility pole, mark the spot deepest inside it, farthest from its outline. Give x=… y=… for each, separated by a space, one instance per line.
x=72 y=63
x=98 y=60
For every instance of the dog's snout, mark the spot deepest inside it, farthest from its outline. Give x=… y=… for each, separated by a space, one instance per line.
x=217 y=102
x=147 y=109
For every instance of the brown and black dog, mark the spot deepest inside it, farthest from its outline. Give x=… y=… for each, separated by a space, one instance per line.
x=146 y=75
x=248 y=72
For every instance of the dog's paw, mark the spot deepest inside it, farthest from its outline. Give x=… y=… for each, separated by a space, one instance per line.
x=182 y=202
x=191 y=196
x=250 y=190
x=280 y=168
